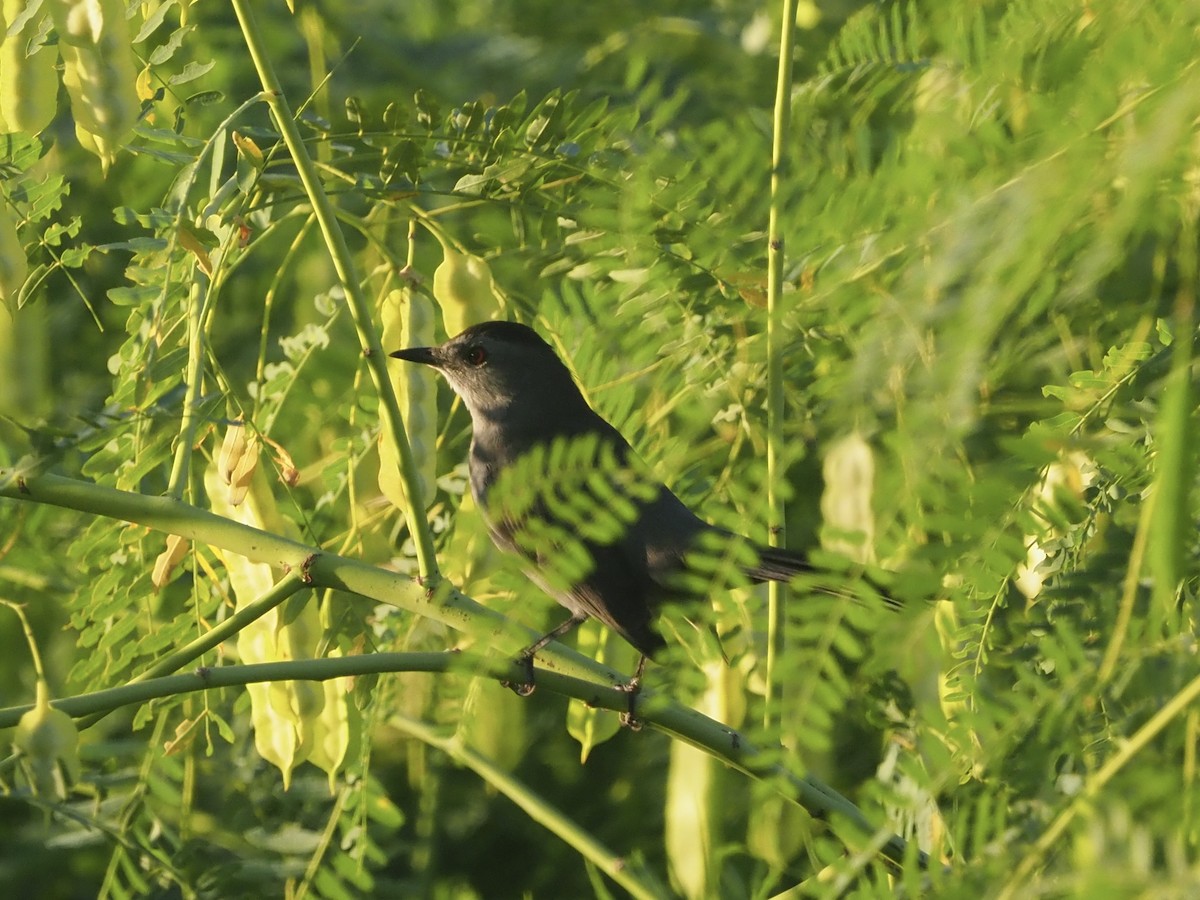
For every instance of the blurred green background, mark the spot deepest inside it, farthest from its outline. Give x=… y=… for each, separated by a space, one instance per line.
x=990 y=214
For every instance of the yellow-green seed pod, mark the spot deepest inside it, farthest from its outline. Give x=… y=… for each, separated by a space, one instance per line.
x=95 y=146
x=14 y=267
x=164 y=565
x=49 y=741
x=4 y=129
x=274 y=707
x=98 y=70
x=274 y=735
x=232 y=449
x=305 y=700
x=28 y=82
x=849 y=471
x=331 y=728
x=464 y=289
x=407 y=320
x=243 y=472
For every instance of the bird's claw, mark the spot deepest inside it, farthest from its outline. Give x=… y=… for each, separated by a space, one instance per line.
x=628 y=718
x=630 y=721
x=525 y=687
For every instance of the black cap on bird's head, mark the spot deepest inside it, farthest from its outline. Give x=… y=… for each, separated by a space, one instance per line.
x=493 y=365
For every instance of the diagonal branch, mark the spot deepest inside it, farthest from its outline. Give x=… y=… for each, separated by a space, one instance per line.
x=347 y=272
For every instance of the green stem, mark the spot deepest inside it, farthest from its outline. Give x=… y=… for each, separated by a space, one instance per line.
x=322 y=569
x=142 y=690
x=347 y=273
x=197 y=301
x=34 y=655
x=260 y=369
x=1174 y=434
x=776 y=592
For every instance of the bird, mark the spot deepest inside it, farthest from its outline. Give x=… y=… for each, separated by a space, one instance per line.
x=561 y=488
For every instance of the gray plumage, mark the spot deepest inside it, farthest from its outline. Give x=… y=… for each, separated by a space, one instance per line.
x=521 y=399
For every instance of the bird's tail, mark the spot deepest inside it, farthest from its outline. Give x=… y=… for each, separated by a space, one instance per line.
x=780 y=564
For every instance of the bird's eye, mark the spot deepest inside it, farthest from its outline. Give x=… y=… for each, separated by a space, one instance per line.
x=476 y=356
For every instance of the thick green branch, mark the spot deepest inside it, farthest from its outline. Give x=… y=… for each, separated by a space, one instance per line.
x=319 y=568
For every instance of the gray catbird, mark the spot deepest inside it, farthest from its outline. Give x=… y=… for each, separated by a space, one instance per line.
x=522 y=401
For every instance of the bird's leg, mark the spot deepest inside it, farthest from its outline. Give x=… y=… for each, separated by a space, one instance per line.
x=525 y=657
x=633 y=687
x=524 y=687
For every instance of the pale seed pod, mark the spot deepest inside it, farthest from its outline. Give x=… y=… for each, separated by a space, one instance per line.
x=243 y=472
x=407 y=320
x=4 y=129
x=28 y=83
x=464 y=289
x=99 y=72
x=232 y=450
x=849 y=471
x=331 y=728
x=302 y=701
x=14 y=267
x=49 y=742
x=165 y=563
x=273 y=708
x=97 y=146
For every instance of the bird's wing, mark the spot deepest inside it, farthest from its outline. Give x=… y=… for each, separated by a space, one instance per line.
x=606 y=580
x=584 y=534
x=620 y=593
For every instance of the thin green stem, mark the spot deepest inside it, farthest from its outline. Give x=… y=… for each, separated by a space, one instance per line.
x=332 y=819
x=322 y=569
x=142 y=690
x=1085 y=800
x=776 y=592
x=343 y=264
x=34 y=654
x=198 y=300
x=639 y=883
x=1129 y=590
x=194 y=378
x=260 y=369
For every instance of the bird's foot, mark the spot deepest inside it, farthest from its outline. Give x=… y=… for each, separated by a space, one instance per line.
x=525 y=687
x=632 y=689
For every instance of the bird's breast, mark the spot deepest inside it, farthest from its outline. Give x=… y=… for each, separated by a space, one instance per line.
x=481 y=469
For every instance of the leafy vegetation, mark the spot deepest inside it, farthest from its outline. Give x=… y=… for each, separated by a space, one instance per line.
x=989 y=223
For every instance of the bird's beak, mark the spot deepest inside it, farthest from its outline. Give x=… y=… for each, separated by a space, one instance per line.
x=426 y=355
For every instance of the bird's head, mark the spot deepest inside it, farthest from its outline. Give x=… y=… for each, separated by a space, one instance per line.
x=498 y=366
